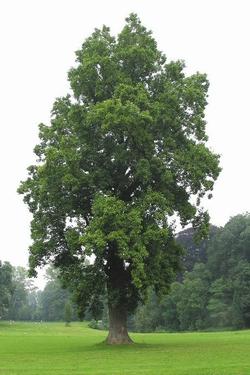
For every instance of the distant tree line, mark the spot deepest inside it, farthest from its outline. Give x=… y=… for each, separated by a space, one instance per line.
x=212 y=291
x=21 y=300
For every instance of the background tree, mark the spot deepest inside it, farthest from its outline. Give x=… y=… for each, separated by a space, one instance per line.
x=148 y=316
x=170 y=313
x=192 y=306
x=241 y=295
x=53 y=299
x=6 y=287
x=121 y=156
x=67 y=313
x=220 y=303
x=195 y=251
x=212 y=295
x=22 y=305
x=229 y=262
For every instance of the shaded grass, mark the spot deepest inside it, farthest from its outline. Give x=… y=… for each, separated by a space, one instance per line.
x=52 y=348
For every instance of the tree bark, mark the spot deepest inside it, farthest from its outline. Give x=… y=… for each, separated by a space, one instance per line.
x=117 y=284
x=118 y=333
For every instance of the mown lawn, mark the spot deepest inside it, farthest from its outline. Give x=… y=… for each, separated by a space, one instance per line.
x=52 y=348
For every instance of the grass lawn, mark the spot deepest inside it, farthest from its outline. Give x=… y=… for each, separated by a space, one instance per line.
x=52 y=348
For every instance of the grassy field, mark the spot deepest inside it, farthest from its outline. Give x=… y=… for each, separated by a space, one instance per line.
x=52 y=348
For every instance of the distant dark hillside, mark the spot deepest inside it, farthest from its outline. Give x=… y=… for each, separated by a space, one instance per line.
x=194 y=252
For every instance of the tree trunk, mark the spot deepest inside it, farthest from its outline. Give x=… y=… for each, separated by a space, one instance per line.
x=117 y=298
x=118 y=333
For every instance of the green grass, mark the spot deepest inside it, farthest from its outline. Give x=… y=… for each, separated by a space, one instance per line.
x=52 y=348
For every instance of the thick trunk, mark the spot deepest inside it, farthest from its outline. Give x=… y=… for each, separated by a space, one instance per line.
x=117 y=298
x=118 y=333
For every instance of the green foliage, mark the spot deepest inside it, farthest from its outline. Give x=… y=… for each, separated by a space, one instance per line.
x=170 y=320
x=220 y=302
x=241 y=296
x=212 y=295
x=184 y=308
x=6 y=287
x=229 y=262
x=230 y=246
x=192 y=306
x=19 y=308
x=147 y=317
x=194 y=252
x=123 y=153
x=52 y=302
x=20 y=300
x=18 y=296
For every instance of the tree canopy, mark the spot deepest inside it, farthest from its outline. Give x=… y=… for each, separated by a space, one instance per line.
x=123 y=154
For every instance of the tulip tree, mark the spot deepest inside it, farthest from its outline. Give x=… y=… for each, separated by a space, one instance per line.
x=123 y=155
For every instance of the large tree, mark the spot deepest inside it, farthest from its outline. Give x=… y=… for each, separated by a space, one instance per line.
x=123 y=154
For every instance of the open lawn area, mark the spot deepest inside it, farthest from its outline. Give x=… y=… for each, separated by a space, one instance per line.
x=52 y=348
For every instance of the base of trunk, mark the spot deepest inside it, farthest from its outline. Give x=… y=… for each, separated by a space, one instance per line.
x=118 y=338
x=118 y=333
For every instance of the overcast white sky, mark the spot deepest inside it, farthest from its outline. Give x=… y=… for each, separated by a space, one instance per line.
x=38 y=39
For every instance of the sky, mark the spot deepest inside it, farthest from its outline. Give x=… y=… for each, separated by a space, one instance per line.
x=37 y=43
